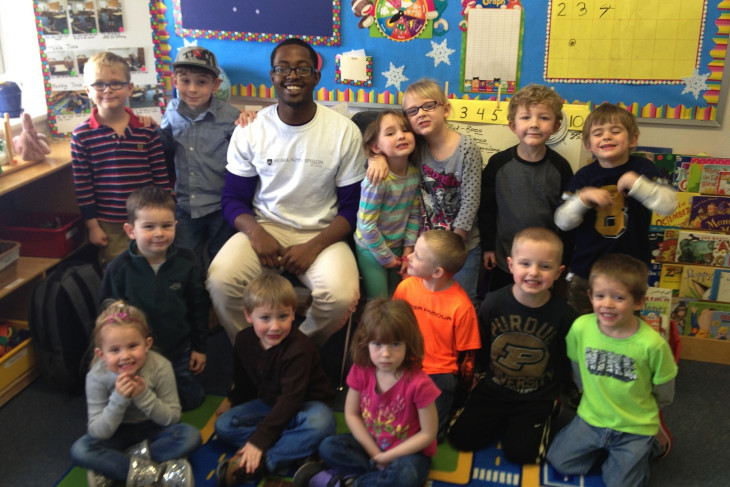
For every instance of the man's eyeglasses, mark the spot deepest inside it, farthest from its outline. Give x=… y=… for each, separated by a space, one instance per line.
x=426 y=107
x=302 y=71
x=114 y=85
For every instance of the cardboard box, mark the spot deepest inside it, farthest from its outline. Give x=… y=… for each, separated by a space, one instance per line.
x=43 y=234
x=9 y=254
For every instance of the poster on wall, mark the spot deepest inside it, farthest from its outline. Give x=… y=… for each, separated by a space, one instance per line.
x=71 y=31
x=492 y=49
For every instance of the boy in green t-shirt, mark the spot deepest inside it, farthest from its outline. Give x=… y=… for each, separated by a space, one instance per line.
x=626 y=371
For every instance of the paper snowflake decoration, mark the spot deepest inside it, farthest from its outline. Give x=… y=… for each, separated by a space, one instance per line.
x=395 y=76
x=440 y=53
x=696 y=83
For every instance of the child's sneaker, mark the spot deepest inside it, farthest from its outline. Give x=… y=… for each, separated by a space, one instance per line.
x=304 y=473
x=331 y=478
x=95 y=479
x=663 y=438
x=228 y=473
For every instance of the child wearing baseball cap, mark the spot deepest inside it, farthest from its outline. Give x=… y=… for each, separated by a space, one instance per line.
x=197 y=127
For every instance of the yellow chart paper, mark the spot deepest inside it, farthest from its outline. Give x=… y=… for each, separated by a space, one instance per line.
x=624 y=40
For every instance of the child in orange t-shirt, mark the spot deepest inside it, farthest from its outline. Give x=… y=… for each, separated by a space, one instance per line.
x=445 y=314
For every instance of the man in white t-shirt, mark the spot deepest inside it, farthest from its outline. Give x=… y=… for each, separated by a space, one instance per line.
x=292 y=191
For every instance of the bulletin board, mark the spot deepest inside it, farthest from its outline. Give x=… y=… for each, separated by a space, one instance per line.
x=261 y=20
x=371 y=50
x=673 y=94
x=71 y=31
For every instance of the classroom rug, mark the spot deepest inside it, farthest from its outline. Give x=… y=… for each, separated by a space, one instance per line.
x=483 y=468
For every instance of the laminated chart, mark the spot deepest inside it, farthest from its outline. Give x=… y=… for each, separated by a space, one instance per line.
x=626 y=41
x=492 y=55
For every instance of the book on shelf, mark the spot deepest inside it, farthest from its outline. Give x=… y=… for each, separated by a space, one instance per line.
x=662 y=158
x=663 y=242
x=653 y=150
x=702 y=176
x=679 y=217
x=702 y=247
x=708 y=319
x=678 y=314
x=655 y=273
x=671 y=277
x=694 y=176
x=696 y=281
x=667 y=164
x=681 y=171
x=710 y=177
x=710 y=213
x=723 y=183
x=657 y=309
x=720 y=290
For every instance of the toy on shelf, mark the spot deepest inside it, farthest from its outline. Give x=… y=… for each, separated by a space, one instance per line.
x=31 y=145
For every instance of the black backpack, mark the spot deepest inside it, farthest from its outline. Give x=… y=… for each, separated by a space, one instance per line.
x=61 y=316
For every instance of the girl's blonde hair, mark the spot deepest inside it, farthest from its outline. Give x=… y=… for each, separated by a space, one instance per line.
x=372 y=131
x=119 y=313
x=426 y=88
x=387 y=321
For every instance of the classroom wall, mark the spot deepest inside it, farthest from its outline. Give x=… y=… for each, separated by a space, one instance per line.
x=20 y=53
x=714 y=141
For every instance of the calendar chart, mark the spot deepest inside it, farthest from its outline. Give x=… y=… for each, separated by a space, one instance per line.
x=492 y=49
x=626 y=41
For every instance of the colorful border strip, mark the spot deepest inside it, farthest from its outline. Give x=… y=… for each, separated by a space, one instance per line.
x=161 y=48
x=717 y=65
x=46 y=72
x=679 y=112
x=333 y=40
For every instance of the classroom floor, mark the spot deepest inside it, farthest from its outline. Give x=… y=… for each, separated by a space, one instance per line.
x=39 y=425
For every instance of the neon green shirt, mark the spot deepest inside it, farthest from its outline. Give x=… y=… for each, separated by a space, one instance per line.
x=618 y=375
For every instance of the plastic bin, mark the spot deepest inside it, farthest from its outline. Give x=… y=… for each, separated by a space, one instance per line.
x=18 y=362
x=43 y=234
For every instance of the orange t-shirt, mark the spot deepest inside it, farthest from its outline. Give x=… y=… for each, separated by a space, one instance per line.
x=448 y=323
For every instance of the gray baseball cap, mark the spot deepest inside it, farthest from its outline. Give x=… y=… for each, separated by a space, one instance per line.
x=197 y=56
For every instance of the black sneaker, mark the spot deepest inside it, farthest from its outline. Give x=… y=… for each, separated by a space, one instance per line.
x=304 y=473
x=228 y=473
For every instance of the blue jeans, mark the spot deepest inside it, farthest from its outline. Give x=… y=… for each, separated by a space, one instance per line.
x=344 y=454
x=468 y=276
x=300 y=438
x=578 y=446
x=189 y=388
x=107 y=456
x=194 y=233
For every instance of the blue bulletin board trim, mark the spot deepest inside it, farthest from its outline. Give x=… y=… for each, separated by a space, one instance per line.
x=311 y=21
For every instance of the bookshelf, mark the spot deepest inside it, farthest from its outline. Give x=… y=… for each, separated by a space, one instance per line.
x=692 y=255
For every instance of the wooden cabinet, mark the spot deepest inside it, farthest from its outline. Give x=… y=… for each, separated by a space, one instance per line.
x=47 y=187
